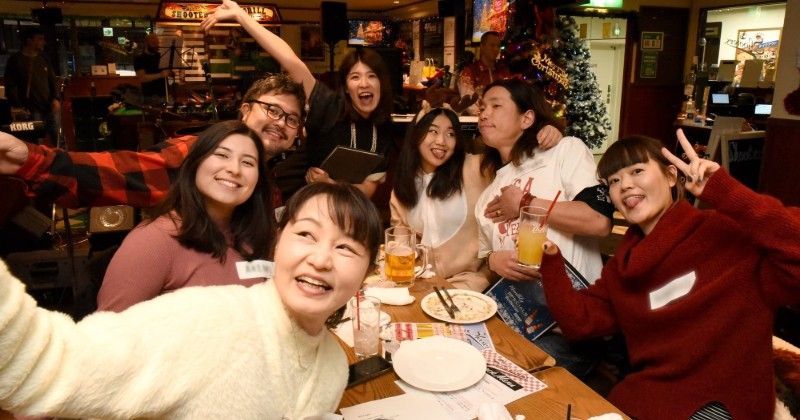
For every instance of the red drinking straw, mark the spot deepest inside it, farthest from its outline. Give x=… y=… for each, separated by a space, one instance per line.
x=549 y=209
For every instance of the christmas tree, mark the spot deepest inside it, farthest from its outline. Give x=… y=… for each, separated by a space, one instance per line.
x=547 y=52
x=586 y=113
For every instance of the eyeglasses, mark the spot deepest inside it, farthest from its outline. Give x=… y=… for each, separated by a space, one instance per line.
x=275 y=112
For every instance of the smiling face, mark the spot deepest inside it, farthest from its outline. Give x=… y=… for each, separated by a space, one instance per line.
x=438 y=144
x=226 y=178
x=500 y=121
x=642 y=192
x=364 y=89
x=275 y=134
x=318 y=266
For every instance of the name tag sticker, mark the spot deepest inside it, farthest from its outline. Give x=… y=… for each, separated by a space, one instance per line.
x=665 y=294
x=255 y=269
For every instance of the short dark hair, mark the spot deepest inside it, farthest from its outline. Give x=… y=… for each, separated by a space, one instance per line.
x=632 y=150
x=447 y=178
x=29 y=33
x=275 y=84
x=374 y=61
x=487 y=34
x=526 y=97
x=349 y=209
x=253 y=222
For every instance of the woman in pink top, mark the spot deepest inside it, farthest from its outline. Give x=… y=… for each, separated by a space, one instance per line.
x=216 y=213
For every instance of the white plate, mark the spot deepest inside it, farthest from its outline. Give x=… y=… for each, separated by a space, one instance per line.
x=439 y=364
x=474 y=307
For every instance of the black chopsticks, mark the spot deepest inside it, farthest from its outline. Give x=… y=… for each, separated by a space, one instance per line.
x=444 y=303
x=452 y=304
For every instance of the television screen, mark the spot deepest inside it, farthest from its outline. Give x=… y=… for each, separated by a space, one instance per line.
x=368 y=33
x=763 y=110
x=720 y=98
x=489 y=15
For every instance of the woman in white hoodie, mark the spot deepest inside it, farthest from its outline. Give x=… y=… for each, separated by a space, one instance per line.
x=204 y=352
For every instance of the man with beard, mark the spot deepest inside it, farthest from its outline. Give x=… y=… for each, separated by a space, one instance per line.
x=146 y=65
x=273 y=107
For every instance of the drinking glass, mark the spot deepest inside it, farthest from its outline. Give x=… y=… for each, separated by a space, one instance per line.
x=400 y=255
x=365 y=312
x=531 y=234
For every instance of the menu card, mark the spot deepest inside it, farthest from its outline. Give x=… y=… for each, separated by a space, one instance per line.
x=475 y=334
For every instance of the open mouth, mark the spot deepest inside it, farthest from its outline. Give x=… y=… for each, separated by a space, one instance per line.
x=365 y=97
x=632 y=201
x=439 y=153
x=312 y=285
x=228 y=183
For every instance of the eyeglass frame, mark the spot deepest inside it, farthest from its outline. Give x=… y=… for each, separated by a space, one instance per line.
x=266 y=106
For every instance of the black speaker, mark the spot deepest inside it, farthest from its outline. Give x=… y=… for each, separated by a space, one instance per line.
x=47 y=15
x=451 y=8
x=334 y=21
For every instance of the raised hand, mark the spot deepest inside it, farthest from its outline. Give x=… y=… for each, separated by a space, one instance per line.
x=228 y=10
x=697 y=171
x=13 y=154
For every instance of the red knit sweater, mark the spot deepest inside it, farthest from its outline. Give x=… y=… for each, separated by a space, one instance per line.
x=714 y=342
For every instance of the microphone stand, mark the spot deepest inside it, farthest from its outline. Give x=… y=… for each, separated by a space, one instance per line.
x=207 y=72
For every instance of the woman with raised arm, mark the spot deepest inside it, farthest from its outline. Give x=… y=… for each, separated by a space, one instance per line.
x=694 y=292
x=356 y=116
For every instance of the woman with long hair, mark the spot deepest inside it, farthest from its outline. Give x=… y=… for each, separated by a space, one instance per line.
x=694 y=292
x=437 y=184
x=216 y=214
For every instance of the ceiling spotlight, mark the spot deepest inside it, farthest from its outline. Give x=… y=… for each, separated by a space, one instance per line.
x=396 y=1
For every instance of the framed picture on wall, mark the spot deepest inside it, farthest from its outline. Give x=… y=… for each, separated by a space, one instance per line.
x=311 y=45
x=758 y=44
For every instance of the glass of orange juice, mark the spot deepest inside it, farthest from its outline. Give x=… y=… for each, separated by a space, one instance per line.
x=531 y=234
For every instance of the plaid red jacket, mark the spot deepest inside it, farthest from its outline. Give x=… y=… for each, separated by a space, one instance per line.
x=82 y=179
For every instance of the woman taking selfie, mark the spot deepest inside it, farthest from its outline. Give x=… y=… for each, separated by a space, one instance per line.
x=261 y=352
x=692 y=291
x=216 y=213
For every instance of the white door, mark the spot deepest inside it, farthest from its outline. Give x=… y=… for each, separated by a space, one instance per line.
x=608 y=61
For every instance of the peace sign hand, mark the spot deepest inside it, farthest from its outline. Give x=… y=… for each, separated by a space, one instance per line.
x=697 y=171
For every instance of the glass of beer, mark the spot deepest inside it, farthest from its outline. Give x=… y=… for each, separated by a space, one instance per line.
x=531 y=234
x=400 y=255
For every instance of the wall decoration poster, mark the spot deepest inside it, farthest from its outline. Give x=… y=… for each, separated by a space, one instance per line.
x=649 y=65
x=757 y=44
x=311 y=45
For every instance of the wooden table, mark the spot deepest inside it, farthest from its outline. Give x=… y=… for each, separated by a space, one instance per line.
x=563 y=388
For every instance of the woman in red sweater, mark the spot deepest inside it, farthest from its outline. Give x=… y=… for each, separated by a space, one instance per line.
x=693 y=292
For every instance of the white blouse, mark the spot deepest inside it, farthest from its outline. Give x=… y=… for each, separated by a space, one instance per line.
x=437 y=220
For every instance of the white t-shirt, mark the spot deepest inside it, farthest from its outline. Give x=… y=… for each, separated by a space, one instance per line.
x=438 y=220
x=569 y=167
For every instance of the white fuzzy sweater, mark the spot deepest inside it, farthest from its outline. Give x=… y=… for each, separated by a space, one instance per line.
x=205 y=352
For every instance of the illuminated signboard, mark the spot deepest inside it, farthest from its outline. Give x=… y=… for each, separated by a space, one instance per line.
x=196 y=12
x=603 y=3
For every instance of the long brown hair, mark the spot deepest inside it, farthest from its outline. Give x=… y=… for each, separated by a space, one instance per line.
x=527 y=98
x=252 y=224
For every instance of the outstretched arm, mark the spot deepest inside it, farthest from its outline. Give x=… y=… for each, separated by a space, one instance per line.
x=80 y=179
x=13 y=154
x=271 y=43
